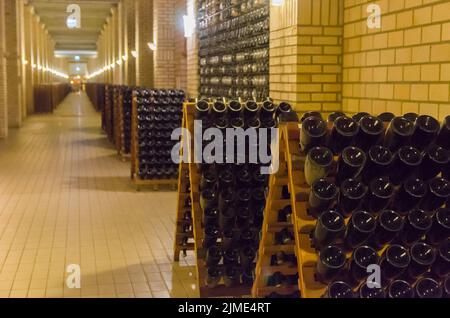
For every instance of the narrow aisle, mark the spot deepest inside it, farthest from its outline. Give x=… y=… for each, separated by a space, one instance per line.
x=66 y=198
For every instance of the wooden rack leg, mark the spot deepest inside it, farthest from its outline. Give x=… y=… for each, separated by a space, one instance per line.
x=268 y=247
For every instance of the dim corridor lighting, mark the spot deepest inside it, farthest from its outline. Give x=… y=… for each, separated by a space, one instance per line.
x=277 y=3
x=134 y=54
x=152 y=46
x=189 y=25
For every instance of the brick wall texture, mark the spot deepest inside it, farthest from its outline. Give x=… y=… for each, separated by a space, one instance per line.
x=402 y=67
x=306 y=53
x=325 y=57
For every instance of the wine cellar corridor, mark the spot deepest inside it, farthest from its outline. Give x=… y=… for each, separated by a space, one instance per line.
x=66 y=199
x=234 y=149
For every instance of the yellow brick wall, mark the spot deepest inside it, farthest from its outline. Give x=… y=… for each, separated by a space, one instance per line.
x=402 y=67
x=306 y=54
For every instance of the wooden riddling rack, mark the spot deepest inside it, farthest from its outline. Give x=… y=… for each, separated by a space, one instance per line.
x=293 y=161
x=271 y=225
x=118 y=117
x=303 y=223
x=183 y=241
x=134 y=155
x=197 y=218
x=108 y=113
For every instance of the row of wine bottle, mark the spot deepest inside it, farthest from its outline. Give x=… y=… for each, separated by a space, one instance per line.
x=389 y=227
x=381 y=194
x=367 y=131
x=234 y=111
x=409 y=265
x=425 y=287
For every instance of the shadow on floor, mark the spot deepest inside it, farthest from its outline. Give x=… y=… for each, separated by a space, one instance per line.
x=115 y=184
x=108 y=184
x=94 y=130
x=146 y=280
x=102 y=142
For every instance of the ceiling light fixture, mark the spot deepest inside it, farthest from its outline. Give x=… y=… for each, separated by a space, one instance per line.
x=277 y=3
x=189 y=25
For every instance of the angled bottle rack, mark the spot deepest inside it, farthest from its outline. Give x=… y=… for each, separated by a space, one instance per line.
x=291 y=174
x=302 y=222
x=197 y=219
x=108 y=113
x=118 y=118
x=184 y=240
x=268 y=248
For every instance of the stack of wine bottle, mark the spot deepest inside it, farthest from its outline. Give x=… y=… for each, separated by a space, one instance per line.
x=234 y=48
x=382 y=204
x=159 y=112
x=127 y=93
x=233 y=196
x=108 y=113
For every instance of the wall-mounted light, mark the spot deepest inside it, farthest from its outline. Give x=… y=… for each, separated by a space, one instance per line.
x=189 y=25
x=277 y=3
x=119 y=62
x=25 y=62
x=134 y=53
x=125 y=57
x=152 y=46
x=34 y=66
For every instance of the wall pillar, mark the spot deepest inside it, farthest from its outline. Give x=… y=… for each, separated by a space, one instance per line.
x=13 y=63
x=306 y=54
x=164 y=32
x=144 y=35
x=130 y=41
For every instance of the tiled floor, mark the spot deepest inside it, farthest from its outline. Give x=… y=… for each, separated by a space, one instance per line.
x=66 y=198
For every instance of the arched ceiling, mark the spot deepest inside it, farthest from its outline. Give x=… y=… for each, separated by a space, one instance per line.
x=93 y=16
